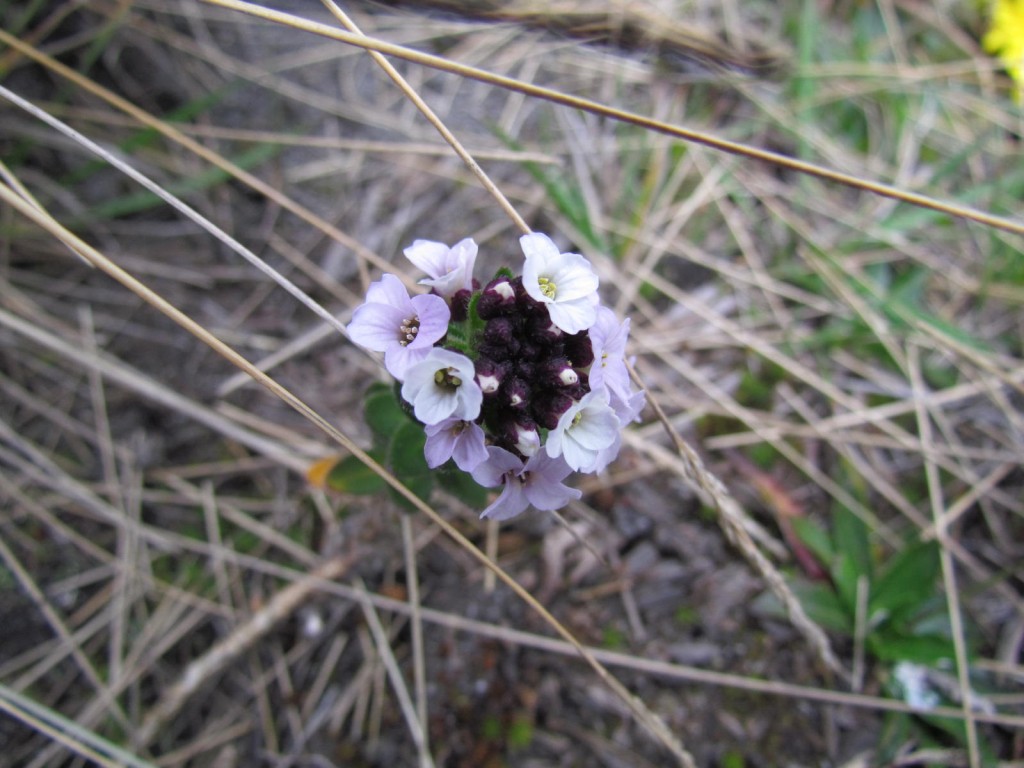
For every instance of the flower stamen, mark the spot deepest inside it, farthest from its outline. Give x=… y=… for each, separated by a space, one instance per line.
x=547 y=287
x=407 y=330
x=446 y=378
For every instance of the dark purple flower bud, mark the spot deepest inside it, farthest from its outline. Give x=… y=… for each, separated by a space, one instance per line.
x=500 y=330
x=497 y=352
x=516 y=392
x=498 y=298
x=525 y=370
x=543 y=331
x=579 y=390
x=521 y=435
x=579 y=349
x=489 y=374
x=559 y=373
x=549 y=409
x=460 y=305
x=527 y=304
x=531 y=351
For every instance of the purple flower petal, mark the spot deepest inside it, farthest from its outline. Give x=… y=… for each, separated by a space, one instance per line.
x=510 y=503
x=376 y=326
x=492 y=471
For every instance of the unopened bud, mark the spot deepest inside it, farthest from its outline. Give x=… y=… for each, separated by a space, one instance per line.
x=460 y=305
x=527 y=439
x=498 y=298
x=543 y=331
x=579 y=349
x=517 y=392
x=548 y=413
x=489 y=374
x=500 y=330
x=558 y=372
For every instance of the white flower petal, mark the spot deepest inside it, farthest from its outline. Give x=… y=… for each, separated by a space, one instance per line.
x=439 y=445
x=428 y=256
x=398 y=359
x=574 y=278
x=572 y=317
x=537 y=245
x=550 y=496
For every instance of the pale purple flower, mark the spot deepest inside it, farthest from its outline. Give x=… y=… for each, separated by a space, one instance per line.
x=583 y=431
x=628 y=409
x=564 y=282
x=403 y=328
x=607 y=455
x=449 y=270
x=442 y=386
x=608 y=371
x=608 y=340
x=455 y=439
x=537 y=482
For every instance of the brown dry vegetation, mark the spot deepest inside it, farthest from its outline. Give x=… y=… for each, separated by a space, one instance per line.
x=174 y=592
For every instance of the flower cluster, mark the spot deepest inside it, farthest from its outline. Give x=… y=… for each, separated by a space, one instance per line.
x=520 y=382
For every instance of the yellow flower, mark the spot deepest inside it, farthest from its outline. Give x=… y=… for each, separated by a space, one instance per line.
x=1005 y=39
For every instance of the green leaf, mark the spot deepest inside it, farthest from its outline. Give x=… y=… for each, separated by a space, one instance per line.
x=464 y=335
x=350 y=475
x=405 y=458
x=144 y=201
x=463 y=487
x=818 y=599
x=816 y=539
x=846 y=576
x=383 y=412
x=925 y=649
x=907 y=583
x=853 y=550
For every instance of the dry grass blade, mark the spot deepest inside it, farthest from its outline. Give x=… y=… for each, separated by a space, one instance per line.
x=733 y=521
x=205 y=668
x=66 y=732
x=724 y=145
x=413 y=722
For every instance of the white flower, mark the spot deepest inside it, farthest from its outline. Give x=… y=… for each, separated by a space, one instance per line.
x=584 y=431
x=442 y=386
x=564 y=282
x=449 y=270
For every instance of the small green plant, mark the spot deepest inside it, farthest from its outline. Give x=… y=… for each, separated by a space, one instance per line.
x=890 y=606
